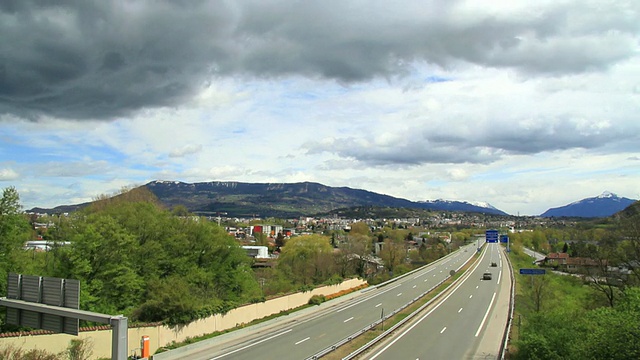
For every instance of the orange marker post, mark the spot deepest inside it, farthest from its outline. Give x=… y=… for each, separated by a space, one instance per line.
x=144 y=345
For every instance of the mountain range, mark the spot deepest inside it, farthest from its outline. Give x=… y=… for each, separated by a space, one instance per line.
x=287 y=200
x=604 y=205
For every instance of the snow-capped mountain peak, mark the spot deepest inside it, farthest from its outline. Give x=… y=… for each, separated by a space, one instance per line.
x=604 y=205
x=462 y=205
x=607 y=194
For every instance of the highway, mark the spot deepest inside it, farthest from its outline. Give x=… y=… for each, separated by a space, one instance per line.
x=304 y=338
x=455 y=328
x=536 y=255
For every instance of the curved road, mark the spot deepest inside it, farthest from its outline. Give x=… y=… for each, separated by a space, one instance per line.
x=304 y=338
x=467 y=324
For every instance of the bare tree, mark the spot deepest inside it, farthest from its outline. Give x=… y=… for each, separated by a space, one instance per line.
x=353 y=253
x=630 y=247
x=539 y=291
x=600 y=270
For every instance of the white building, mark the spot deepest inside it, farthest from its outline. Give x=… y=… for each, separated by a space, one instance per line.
x=257 y=252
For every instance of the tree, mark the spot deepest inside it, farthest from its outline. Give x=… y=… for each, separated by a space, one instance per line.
x=304 y=259
x=422 y=251
x=629 y=235
x=10 y=202
x=14 y=232
x=539 y=291
x=393 y=253
x=101 y=257
x=352 y=254
x=360 y=228
x=180 y=210
x=280 y=241
x=139 y=259
x=600 y=273
x=261 y=239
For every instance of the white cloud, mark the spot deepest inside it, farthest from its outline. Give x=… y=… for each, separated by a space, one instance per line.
x=185 y=150
x=7 y=174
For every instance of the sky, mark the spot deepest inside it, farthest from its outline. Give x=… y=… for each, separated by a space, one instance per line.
x=526 y=105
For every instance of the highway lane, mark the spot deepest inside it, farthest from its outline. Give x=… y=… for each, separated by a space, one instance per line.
x=536 y=255
x=309 y=336
x=453 y=328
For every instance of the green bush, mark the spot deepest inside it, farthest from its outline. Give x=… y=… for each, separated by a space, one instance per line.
x=335 y=279
x=317 y=300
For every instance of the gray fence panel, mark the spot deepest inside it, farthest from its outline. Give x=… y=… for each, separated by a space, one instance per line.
x=72 y=293
x=52 y=291
x=71 y=326
x=30 y=288
x=52 y=322
x=30 y=319
x=13 y=286
x=13 y=316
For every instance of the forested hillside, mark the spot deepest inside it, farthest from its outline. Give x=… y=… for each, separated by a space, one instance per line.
x=134 y=257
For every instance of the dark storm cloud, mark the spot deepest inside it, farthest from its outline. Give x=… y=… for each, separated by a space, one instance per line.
x=106 y=59
x=103 y=59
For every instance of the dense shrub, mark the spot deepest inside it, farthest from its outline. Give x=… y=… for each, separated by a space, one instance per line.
x=316 y=300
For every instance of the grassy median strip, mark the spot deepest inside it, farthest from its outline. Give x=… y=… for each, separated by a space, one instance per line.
x=363 y=339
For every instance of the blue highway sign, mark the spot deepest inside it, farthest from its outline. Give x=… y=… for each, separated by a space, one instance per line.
x=532 y=271
x=491 y=236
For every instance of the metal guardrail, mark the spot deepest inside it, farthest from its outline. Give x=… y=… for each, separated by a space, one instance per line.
x=505 y=338
x=378 y=322
x=409 y=273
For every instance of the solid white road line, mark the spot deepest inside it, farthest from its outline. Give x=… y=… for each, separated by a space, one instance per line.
x=485 y=315
x=405 y=332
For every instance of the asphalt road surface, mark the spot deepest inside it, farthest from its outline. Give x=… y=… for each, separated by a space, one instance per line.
x=468 y=324
x=307 y=336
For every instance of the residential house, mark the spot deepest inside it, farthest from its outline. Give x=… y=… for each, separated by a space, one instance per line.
x=556 y=259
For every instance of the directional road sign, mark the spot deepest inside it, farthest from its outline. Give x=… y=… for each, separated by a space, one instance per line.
x=491 y=236
x=532 y=271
